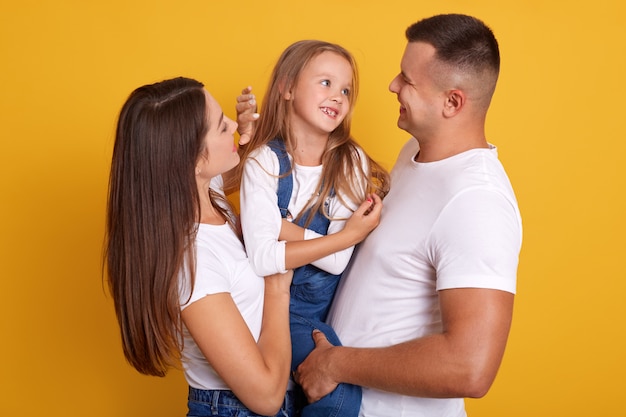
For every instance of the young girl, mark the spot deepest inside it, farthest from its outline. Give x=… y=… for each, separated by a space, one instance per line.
x=302 y=177
x=178 y=272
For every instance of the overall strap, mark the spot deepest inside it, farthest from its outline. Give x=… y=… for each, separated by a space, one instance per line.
x=320 y=222
x=285 y=182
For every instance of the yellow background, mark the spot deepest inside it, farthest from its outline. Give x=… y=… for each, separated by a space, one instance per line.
x=67 y=66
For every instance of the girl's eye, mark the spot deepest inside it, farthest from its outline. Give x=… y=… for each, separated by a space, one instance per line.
x=326 y=83
x=225 y=128
x=345 y=91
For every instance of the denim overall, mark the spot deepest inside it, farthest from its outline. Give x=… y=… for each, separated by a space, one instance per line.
x=312 y=291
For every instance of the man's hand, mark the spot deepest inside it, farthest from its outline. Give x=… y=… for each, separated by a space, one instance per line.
x=313 y=374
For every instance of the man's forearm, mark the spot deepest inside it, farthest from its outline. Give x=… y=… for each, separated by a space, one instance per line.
x=424 y=368
x=461 y=361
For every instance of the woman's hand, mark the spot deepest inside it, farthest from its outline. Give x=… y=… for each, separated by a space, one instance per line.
x=246 y=115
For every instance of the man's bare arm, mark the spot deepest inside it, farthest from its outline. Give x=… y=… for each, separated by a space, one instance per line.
x=462 y=361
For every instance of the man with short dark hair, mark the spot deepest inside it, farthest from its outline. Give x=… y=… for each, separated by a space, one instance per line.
x=425 y=307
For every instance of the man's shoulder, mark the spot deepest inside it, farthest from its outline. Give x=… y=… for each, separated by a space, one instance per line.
x=407 y=152
x=411 y=146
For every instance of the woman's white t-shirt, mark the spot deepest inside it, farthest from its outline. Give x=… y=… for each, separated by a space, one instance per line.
x=222 y=267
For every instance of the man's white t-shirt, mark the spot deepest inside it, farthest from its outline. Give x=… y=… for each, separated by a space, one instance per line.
x=452 y=223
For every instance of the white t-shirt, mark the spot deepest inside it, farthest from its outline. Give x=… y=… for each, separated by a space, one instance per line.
x=222 y=267
x=452 y=223
x=260 y=216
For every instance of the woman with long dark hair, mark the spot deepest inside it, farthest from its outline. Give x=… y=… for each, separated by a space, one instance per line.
x=183 y=288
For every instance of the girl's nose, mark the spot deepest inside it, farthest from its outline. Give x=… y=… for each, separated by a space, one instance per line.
x=337 y=97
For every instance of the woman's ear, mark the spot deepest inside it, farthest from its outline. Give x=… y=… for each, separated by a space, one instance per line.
x=454 y=103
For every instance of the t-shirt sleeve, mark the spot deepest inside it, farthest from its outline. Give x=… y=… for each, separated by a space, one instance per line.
x=211 y=278
x=475 y=242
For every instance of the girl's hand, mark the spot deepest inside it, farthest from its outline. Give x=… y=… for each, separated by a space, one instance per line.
x=246 y=115
x=365 y=218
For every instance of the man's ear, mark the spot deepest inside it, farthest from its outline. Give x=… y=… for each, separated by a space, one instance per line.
x=454 y=103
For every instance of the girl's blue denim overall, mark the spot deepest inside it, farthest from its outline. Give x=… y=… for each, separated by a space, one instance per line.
x=312 y=291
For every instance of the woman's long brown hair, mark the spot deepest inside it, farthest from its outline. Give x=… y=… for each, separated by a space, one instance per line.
x=342 y=165
x=152 y=216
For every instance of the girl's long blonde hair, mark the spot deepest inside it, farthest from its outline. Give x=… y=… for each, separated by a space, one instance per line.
x=342 y=163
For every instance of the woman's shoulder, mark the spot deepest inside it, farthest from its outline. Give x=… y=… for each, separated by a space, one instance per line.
x=218 y=244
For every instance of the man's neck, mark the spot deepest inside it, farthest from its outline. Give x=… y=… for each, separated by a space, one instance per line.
x=439 y=149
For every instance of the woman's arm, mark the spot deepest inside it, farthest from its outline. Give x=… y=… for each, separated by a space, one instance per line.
x=256 y=372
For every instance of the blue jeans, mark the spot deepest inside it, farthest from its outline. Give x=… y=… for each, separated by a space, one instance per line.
x=345 y=400
x=223 y=403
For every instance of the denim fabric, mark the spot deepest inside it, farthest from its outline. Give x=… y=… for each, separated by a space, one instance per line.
x=345 y=400
x=312 y=291
x=223 y=403
x=285 y=182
